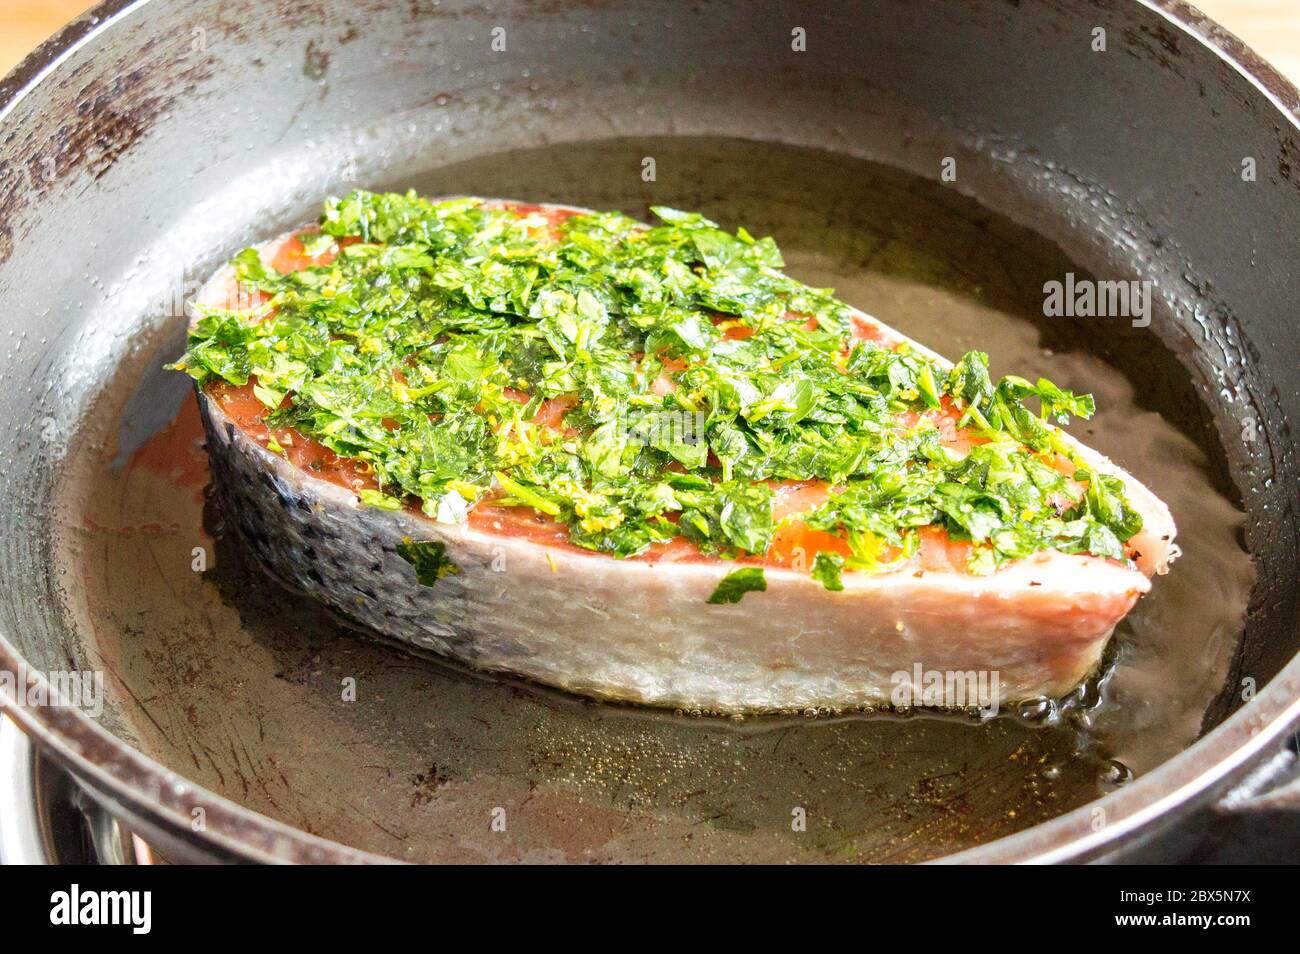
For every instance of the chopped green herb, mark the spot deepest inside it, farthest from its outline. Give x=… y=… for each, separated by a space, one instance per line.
x=429 y=559
x=827 y=569
x=373 y=498
x=737 y=583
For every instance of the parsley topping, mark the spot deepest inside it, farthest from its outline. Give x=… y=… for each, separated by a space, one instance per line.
x=429 y=559
x=737 y=583
x=828 y=570
x=638 y=384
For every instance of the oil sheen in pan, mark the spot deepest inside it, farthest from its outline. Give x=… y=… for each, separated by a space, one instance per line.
x=263 y=697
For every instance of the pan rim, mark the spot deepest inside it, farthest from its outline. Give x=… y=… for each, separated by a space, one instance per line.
x=1175 y=787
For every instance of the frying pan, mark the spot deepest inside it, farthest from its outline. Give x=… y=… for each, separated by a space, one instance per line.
x=980 y=145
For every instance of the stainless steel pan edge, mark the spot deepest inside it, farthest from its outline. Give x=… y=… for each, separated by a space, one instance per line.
x=161 y=804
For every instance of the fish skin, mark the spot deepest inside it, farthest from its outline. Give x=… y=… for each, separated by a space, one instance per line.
x=642 y=631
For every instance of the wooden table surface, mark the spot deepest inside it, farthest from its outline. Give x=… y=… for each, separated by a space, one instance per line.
x=1272 y=27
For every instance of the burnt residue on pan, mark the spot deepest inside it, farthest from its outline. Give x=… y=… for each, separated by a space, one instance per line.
x=1171 y=44
x=102 y=123
x=262 y=696
x=1255 y=65
x=107 y=124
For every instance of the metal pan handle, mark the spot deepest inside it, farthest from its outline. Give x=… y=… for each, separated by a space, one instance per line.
x=1255 y=822
x=46 y=818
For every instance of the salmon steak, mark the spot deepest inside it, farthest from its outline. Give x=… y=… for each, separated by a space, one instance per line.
x=640 y=462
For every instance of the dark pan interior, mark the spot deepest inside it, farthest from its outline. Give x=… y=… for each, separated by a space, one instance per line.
x=160 y=151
